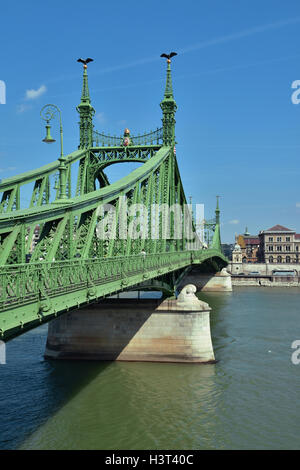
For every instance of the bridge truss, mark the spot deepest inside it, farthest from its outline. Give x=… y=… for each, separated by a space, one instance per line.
x=84 y=250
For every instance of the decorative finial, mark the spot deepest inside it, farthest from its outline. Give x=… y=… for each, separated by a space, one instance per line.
x=169 y=89
x=168 y=56
x=85 y=61
x=85 y=96
x=126 y=140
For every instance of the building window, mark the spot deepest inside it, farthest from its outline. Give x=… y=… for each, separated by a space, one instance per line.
x=279 y=259
x=271 y=259
x=270 y=247
x=288 y=248
x=288 y=259
x=279 y=239
x=297 y=248
x=270 y=239
x=279 y=248
x=288 y=239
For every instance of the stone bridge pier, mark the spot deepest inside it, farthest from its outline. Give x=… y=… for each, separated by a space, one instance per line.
x=170 y=330
x=209 y=281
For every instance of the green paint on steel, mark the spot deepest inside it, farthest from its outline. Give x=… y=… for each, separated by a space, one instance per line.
x=86 y=113
x=71 y=265
x=216 y=241
x=168 y=106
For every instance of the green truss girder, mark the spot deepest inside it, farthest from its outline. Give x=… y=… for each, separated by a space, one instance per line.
x=35 y=292
x=93 y=161
x=32 y=294
x=70 y=265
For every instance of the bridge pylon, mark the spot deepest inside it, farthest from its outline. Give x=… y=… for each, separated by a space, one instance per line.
x=216 y=241
x=86 y=113
x=169 y=107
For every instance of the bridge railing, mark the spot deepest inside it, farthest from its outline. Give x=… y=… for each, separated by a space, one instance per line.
x=150 y=138
x=26 y=283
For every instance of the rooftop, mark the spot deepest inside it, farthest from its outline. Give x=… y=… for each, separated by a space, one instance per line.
x=279 y=228
x=252 y=240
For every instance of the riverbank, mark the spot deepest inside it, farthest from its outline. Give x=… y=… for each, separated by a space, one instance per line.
x=265 y=281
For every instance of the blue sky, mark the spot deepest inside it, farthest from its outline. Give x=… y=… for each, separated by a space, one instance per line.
x=238 y=131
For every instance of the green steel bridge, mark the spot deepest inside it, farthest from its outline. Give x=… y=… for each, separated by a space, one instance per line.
x=70 y=264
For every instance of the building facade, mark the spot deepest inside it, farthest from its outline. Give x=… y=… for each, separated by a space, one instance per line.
x=250 y=245
x=279 y=244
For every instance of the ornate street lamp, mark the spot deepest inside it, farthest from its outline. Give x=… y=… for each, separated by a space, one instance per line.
x=48 y=112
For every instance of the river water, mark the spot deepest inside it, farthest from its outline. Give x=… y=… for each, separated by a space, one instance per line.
x=249 y=399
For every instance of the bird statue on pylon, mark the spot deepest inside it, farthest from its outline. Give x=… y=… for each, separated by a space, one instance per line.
x=168 y=56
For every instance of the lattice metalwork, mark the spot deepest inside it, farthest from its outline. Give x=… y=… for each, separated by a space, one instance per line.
x=81 y=250
x=150 y=138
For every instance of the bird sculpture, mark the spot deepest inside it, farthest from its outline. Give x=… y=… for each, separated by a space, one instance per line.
x=168 y=56
x=85 y=61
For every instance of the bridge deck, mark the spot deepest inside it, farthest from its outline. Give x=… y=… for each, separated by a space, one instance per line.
x=35 y=293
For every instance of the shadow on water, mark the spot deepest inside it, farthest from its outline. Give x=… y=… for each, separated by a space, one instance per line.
x=131 y=405
x=32 y=388
x=134 y=406
x=247 y=400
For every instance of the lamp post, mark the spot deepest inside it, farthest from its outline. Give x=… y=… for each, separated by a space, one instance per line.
x=48 y=112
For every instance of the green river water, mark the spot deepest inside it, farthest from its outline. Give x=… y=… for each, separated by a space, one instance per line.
x=249 y=399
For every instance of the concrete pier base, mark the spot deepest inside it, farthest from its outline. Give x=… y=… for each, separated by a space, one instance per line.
x=135 y=330
x=210 y=282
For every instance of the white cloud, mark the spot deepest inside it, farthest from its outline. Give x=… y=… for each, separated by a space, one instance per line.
x=33 y=94
x=297 y=204
x=234 y=221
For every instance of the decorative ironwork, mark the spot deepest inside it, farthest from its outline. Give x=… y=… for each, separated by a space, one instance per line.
x=151 y=138
x=36 y=293
x=49 y=112
x=71 y=265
